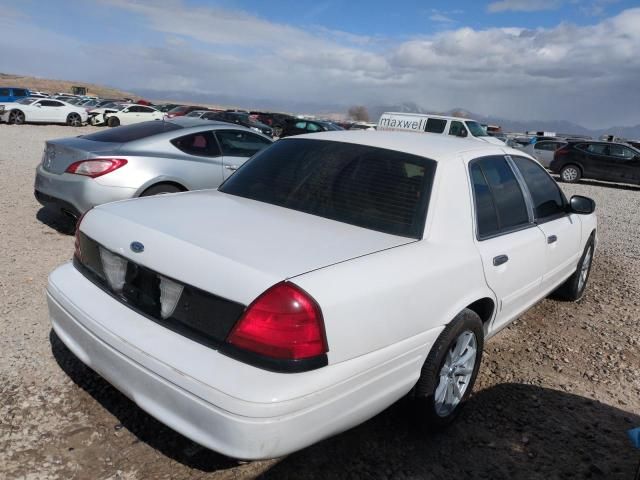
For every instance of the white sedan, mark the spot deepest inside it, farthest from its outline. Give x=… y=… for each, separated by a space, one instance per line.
x=133 y=114
x=330 y=276
x=42 y=110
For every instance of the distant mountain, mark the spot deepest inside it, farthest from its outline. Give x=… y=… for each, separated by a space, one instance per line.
x=54 y=86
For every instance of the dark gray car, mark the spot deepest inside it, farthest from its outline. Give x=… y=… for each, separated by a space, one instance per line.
x=141 y=159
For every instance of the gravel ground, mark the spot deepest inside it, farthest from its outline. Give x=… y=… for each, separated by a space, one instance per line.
x=556 y=392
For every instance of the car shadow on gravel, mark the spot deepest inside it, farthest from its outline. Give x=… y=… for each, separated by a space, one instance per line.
x=59 y=222
x=598 y=183
x=508 y=431
x=146 y=428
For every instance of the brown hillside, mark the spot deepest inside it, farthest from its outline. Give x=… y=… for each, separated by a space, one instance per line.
x=52 y=86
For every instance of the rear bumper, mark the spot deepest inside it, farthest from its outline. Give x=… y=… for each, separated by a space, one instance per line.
x=238 y=410
x=75 y=194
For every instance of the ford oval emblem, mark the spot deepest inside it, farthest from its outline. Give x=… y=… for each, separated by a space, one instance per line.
x=136 y=247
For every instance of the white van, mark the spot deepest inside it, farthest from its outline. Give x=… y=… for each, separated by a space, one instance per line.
x=418 y=122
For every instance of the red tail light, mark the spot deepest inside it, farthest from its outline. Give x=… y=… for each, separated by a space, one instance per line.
x=561 y=151
x=96 y=167
x=284 y=323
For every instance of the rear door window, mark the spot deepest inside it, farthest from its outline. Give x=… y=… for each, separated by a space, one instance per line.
x=236 y=143
x=374 y=188
x=495 y=187
x=435 y=125
x=4 y=92
x=548 y=200
x=597 y=148
x=19 y=92
x=456 y=128
x=201 y=144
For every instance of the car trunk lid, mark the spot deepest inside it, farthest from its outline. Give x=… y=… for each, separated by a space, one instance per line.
x=59 y=154
x=229 y=246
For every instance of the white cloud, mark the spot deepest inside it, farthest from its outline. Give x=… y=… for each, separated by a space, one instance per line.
x=583 y=73
x=438 y=17
x=523 y=5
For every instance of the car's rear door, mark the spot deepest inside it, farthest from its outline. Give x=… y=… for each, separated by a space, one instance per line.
x=511 y=246
x=596 y=161
x=562 y=230
x=237 y=146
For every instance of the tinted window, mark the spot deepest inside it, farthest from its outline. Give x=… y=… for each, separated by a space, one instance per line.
x=133 y=132
x=19 y=92
x=621 y=151
x=4 y=92
x=435 y=125
x=145 y=109
x=548 y=200
x=202 y=144
x=506 y=196
x=301 y=125
x=456 y=128
x=240 y=144
x=548 y=146
x=369 y=187
x=597 y=148
x=312 y=127
x=50 y=103
x=486 y=214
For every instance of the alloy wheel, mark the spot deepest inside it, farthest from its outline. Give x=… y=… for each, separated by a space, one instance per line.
x=456 y=373
x=584 y=269
x=570 y=174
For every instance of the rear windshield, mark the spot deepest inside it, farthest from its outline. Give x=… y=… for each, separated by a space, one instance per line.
x=370 y=187
x=129 y=133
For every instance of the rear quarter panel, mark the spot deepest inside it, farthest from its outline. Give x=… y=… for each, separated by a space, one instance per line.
x=380 y=299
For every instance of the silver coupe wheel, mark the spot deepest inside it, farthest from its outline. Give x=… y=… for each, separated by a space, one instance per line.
x=584 y=269
x=570 y=174
x=456 y=373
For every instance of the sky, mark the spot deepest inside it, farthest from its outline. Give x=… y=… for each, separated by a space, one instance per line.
x=576 y=60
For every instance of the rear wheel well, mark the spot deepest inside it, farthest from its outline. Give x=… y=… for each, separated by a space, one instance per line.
x=484 y=308
x=158 y=185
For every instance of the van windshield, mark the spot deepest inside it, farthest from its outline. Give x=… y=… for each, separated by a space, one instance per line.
x=476 y=129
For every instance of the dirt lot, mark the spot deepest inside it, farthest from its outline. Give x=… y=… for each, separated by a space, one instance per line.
x=556 y=393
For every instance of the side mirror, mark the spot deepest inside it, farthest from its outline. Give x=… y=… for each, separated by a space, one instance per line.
x=463 y=133
x=582 y=205
x=126 y=110
x=39 y=105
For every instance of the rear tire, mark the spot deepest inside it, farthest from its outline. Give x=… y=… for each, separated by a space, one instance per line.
x=74 y=120
x=573 y=288
x=113 y=121
x=447 y=379
x=570 y=173
x=16 y=117
x=161 y=188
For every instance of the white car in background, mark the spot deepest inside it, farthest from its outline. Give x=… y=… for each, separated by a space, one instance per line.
x=436 y=124
x=133 y=114
x=97 y=116
x=330 y=276
x=543 y=150
x=42 y=110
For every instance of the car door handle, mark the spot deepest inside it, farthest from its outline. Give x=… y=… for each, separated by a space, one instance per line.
x=499 y=260
x=233 y=168
x=552 y=239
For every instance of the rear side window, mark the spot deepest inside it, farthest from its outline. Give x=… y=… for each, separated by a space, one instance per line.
x=240 y=144
x=597 y=148
x=370 y=187
x=548 y=200
x=500 y=204
x=129 y=133
x=435 y=125
x=456 y=128
x=4 y=92
x=19 y=92
x=202 y=144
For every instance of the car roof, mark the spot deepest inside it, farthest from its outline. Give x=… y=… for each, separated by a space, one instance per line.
x=434 y=146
